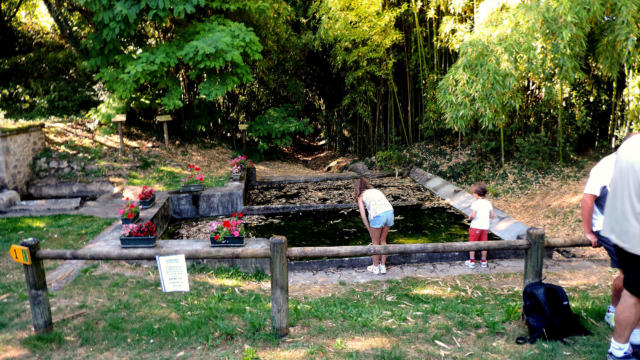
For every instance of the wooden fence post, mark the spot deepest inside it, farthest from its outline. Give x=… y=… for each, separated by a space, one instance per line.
x=533 y=256
x=37 y=285
x=279 y=286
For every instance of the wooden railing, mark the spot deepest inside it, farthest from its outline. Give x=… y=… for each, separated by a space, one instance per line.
x=279 y=255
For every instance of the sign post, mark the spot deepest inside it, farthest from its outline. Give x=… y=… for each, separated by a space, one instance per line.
x=120 y=118
x=163 y=119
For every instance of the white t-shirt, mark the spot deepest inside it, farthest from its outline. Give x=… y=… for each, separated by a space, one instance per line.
x=622 y=214
x=375 y=202
x=483 y=210
x=598 y=185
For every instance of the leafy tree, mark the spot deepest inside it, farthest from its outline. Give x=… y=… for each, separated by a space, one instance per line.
x=535 y=53
x=165 y=54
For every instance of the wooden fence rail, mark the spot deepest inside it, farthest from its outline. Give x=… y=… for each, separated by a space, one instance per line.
x=279 y=255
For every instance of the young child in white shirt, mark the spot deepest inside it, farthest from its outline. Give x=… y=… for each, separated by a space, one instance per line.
x=481 y=215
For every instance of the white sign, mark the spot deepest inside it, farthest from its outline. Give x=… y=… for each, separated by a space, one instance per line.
x=173 y=273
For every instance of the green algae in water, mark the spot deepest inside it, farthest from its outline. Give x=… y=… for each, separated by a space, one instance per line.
x=412 y=224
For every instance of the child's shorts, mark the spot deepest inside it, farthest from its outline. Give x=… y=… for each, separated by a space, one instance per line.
x=478 y=234
x=381 y=220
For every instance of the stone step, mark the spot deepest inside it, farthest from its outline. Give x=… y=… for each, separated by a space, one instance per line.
x=46 y=205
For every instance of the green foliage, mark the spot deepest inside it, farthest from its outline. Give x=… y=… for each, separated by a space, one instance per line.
x=47 y=81
x=276 y=127
x=524 y=55
x=163 y=55
x=392 y=160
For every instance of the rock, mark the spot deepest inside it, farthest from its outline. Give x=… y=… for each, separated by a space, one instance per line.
x=63 y=164
x=7 y=199
x=76 y=165
x=49 y=188
x=91 y=168
x=66 y=170
x=359 y=168
x=42 y=174
x=42 y=164
x=53 y=164
x=337 y=165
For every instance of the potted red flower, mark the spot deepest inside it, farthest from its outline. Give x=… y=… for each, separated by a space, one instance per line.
x=147 y=197
x=228 y=232
x=129 y=212
x=138 y=235
x=194 y=181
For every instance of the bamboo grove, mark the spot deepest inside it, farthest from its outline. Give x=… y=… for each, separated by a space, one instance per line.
x=362 y=75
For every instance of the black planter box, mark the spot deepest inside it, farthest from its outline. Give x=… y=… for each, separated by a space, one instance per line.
x=133 y=220
x=137 y=241
x=228 y=241
x=192 y=188
x=145 y=204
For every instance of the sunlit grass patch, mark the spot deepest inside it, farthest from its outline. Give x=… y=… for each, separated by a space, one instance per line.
x=169 y=178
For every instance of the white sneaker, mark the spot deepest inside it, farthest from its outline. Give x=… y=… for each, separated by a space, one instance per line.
x=609 y=317
x=470 y=264
x=383 y=269
x=376 y=270
x=483 y=263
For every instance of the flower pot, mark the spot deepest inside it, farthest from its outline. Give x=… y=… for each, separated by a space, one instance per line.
x=133 y=220
x=227 y=241
x=145 y=204
x=192 y=188
x=137 y=241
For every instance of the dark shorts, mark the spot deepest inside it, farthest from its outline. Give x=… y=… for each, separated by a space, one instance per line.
x=478 y=234
x=630 y=266
x=611 y=250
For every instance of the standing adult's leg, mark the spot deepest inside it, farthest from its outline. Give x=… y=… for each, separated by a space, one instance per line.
x=383 y=241
x=375 y=240
x=627 y=317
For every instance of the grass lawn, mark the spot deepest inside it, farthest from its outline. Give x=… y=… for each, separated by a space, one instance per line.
x=122 y=313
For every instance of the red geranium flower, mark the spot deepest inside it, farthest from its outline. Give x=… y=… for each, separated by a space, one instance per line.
x=197 y=168
x=234 y=214
x=216 y=237
x=239 y=214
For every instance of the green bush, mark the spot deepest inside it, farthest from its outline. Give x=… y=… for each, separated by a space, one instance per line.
x=391 y=160
x=277 y=126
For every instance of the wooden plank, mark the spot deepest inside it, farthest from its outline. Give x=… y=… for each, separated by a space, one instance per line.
x=292 y=253
x=279 y=286
x=119 y=118
x=163 y=118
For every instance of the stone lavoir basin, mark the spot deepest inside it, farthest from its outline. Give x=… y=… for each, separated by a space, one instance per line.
x=325 y=214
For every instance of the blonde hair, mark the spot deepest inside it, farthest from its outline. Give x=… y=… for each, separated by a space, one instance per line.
x=360 y=186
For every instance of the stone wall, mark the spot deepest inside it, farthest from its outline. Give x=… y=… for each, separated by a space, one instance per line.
x=17 y=149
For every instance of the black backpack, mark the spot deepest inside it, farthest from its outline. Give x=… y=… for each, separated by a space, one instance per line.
x=548 y=314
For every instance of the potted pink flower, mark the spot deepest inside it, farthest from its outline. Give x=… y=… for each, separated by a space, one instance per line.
x=228 y=232
x=129 y=212
x=194 y=181
x=138 y=235
x=238 y=165
x=147 y=197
